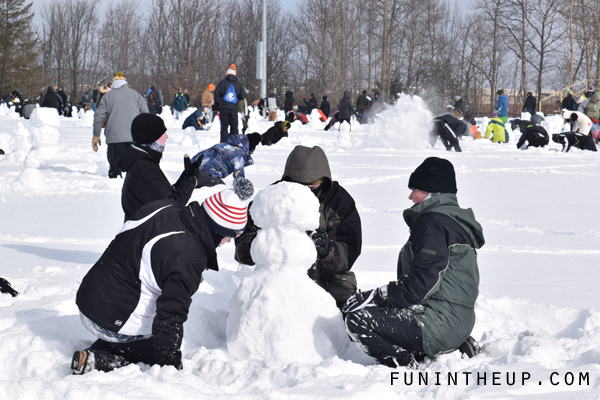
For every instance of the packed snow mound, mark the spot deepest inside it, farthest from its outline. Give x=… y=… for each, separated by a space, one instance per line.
x=86 y=122
x=45 y=141
x=44 y=116
x=8 y=113
x=278 y=313
x=30 y=179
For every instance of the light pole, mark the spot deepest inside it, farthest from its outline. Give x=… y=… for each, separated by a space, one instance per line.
x=261 y=54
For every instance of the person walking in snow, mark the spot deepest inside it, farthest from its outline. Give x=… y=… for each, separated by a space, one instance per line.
x=227 y=94
x=502 y=106
x=325 y=107
x=497 y=130
x=530 y=104
x=224 y=159
x=362 y=104
x=448 y=129
x=179 y=104
x=288 y=106
x=429 y=309
x=145 y=182
x=346 y=109
x=136 y=297
x=50 y=100
x=115 y=112
x=339 y=237
x=208 y=98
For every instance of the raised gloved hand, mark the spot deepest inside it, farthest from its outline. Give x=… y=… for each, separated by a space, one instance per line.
x=370 y=298
x=322 y=242
x=95 y=142
x=190 y=170
x=303 y=96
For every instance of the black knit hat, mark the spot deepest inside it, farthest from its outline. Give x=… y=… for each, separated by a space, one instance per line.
x=434 y=175
x=147 y=128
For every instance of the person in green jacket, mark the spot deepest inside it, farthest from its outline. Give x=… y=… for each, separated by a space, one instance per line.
x=429 y=309
x=179 y=104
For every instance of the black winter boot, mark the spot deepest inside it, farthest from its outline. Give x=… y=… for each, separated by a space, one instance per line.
x=470 y=347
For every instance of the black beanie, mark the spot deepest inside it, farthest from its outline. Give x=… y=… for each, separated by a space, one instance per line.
x=434 y=175
x=147 y=128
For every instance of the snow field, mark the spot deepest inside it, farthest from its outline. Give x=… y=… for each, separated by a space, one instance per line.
x=537 y=312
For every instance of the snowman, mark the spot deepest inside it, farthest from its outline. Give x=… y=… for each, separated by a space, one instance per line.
x=278 y=313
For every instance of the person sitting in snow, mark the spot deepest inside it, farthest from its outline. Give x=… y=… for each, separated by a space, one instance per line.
x=448 y=129
x=429 y=309
x=137 y=296
x=497 y=130
x=574 y=139
x=469 y=120
x=224 y=159
x=295 y=114
x=145 y=182
x=339 y=237
x=579 y=122
x=197 y=119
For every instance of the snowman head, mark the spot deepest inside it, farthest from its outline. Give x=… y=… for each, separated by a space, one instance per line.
x=286 y=205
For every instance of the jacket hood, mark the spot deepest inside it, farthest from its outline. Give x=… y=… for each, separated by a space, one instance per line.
x=152 y=88
x=86 y=93
x=347 y=94
x=50 y=90
x=289 y=94
x=596 y=96
x=132 y=154
x=324 y=98
x=271 y=94
x=242 y=142
x=447 y=204
x=230 y=78
x=306 y=165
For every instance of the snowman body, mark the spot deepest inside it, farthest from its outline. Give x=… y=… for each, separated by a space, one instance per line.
x=278 y=313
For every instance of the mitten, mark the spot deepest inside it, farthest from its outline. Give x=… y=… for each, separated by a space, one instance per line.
x=95 y=142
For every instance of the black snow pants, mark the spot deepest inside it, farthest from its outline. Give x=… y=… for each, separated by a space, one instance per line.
x=113 y=153
x=110 y=356
x=386 y=334
x=229 y=118
x=448 y=138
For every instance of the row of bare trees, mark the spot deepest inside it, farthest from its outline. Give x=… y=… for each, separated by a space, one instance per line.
x=326 y=46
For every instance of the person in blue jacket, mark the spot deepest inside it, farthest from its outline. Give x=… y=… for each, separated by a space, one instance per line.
x=224 y=159
x=502 y=106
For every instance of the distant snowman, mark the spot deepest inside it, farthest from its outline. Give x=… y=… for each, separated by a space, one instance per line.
x=278 y=313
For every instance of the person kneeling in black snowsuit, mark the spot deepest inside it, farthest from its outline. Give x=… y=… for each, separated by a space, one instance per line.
x=574 y=139
x=430 y=308
x=448 y=129
x=137 y=296
x=535 y=136
x=339 y=237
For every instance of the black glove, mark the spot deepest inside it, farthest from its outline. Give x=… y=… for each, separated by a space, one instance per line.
x=190 y=171
x=574 y=117
x=6 y=288
x=322 y=242
x=370 y=298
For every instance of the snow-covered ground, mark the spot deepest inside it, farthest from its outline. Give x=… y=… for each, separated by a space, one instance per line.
x=538 y=312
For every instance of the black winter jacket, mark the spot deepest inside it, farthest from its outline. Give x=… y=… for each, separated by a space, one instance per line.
x=362 y=102
x=310 y=104
x=457 y=126
x=273 y=135
x=535 y=136
x=222 y=88
x=339 y=218
x=345 y=107
x=50 y=100
x=144 y=281
x=145 y=182
x=530 y=102
x=325 y=108
x=289 y=101
x=569 y=103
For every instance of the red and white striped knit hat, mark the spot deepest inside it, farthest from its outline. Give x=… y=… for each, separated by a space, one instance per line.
x=228 y=209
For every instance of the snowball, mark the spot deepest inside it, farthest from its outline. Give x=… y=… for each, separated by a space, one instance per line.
x=30 y=179
x=44 y=116
x=278 y=313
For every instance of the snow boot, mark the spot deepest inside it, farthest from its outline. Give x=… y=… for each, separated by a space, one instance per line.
x=470 y=347
x=83 y=362
x=6 y=288
x=403 y=359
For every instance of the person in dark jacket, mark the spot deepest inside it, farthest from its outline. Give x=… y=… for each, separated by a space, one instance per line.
x=569 y=103
x=530 y=103
x=362 y=104
x=197 y=119
x=346 y=109
x=145 y=182
x=339 y=240
x=275 y=133
x=325 y=108
x=227 y=94
x=224 y=159
x=448 y=129
x=311 y=104
x=289 y=102
x=574 y=139
x=429 y=309
x=137 y=296
x=534 y=136
x=7 y=99
x=459 y=106
x=50 y=100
